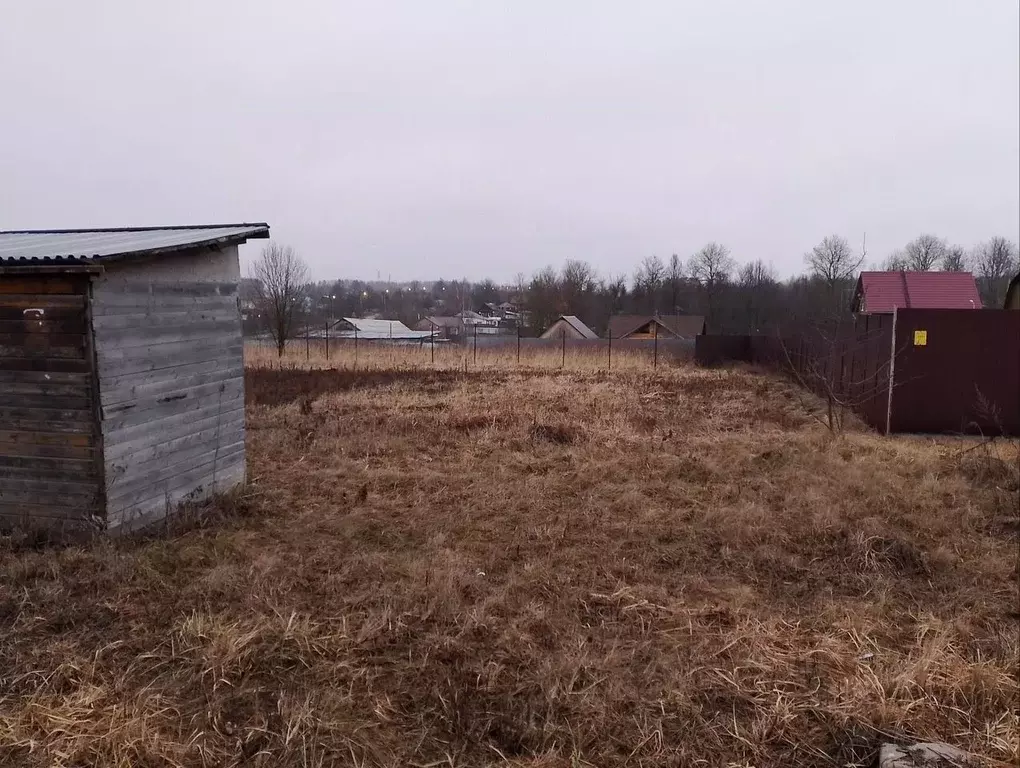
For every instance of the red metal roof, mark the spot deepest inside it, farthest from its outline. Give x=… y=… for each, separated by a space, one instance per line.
x=879 y=292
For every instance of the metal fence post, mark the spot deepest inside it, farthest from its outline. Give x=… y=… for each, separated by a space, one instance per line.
x=327 y=341
x=610 y=349
x=563 y=344
x=518 y=343
x=355 y=347
x=433 y=341
x=474 y=354
x=655 y=345
x=308 y=350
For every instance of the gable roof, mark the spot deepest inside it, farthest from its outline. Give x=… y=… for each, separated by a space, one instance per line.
x=681 y=326
x=86 y=246
x=881 y=292
x=369 y=328
x=577 y=325
x=442 y=321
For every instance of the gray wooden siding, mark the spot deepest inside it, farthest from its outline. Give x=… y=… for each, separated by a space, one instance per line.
x=171 y=385
x=49 y=450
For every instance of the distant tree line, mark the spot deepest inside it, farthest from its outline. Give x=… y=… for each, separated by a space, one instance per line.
x=733 y=297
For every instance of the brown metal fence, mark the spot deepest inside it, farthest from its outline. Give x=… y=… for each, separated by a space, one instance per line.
x=957 y=371
x=916 y=371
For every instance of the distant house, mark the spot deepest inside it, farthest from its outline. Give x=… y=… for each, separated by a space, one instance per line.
x=568 y=326
x=442 y=326
x=1013 y=294
x=376 y=330
x=652 y=326
x=881 y=292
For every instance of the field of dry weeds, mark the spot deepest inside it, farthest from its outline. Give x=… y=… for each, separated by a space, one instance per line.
x=533 y=568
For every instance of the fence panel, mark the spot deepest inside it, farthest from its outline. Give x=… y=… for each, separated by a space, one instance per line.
x=957 y=370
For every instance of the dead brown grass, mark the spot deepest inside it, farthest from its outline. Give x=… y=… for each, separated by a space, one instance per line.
x=534 y=569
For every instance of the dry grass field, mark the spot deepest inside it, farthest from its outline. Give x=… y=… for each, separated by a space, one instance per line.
x=533 y=568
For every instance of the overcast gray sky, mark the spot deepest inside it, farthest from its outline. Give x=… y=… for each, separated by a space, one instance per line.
x=476 y=139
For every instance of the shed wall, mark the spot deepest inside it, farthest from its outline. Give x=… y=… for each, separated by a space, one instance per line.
x=169 y=350
x=49 y=460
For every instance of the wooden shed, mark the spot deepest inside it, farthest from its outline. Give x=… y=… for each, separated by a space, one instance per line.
x=121 y=373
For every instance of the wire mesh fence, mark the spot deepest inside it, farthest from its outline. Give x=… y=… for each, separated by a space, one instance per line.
x=474 y=352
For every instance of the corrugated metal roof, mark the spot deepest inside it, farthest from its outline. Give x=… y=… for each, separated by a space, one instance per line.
x=70 y=246
x=377 y=330
x=574 y=322
x=881 y=292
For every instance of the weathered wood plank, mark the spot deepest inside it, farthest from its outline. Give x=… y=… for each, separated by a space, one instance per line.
x=127 y=341
x=38 y=492
x=42 y=285
x=114 y=304
x=41 y=438
x=41 y=300
x=43 y=378
x=218 y=390
x=74 y=316
x=43 y=387
x=200 y=352
x=49 y=450
x=175 y=425
x=111 y=323
x=172 y=451
x=44 y=365
x=77 y=470
x=53 y=325
x=110 y=383
x=111 y=353
x=55 y=519
x=190 y=475
x=45 y=420
x=177 y=288
x=177 y=401
x=40 y=348
x=152 y=384
x=48 y=337
x=127 y=338
x=42 y=416
x=192 y=487
x=42 y=491
x=138 y=483
x=126 y=443
x=79 y=401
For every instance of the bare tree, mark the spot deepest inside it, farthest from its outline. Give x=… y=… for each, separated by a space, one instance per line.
x=648 y=281
x=542 y=302
x=923 y=253
x=277 y=277
x=954 y=259
x=577 y=283
x=995 y=262
x=834 y=261
x=712 y=267
x=675 y=278
x=757 y=281
x=756 y=274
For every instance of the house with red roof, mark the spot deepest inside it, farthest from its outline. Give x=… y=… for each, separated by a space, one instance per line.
x=882 y=292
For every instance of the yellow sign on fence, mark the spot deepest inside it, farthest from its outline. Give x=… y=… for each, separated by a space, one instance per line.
x=920 y=338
